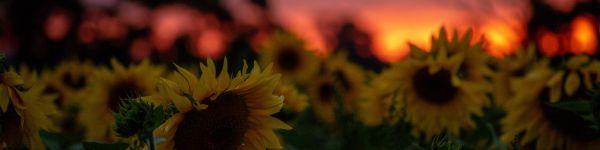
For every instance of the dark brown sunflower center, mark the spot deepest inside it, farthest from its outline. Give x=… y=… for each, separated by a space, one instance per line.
x=125 y=88
x=567 y=122
x=74 y=82
x=60 y=99
x=288 y=59
x=10 y=126
x=326 y=92
x=435 y=88
x=219 y=127
x=343 y=80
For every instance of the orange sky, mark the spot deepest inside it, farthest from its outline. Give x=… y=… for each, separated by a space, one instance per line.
x=394 y=23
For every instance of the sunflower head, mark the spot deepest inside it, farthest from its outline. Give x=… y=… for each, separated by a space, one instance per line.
x=295 y=101
x=26 y=113
x=511 y=69
x=219 y=111
x=542 y=106
x=349 y=78
x=438 y=90
x=108 y=87
x=289 y=57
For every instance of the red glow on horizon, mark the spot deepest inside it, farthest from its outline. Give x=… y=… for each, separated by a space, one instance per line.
x=549 y=43
x=57 y=25
x=393 y=24
x=500 y=39
x=210 y=44
x=583 y=36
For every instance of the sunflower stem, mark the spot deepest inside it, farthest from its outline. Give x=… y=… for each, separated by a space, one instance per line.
x=151 y=145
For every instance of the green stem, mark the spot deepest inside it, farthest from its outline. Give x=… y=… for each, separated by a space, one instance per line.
x=151 y=145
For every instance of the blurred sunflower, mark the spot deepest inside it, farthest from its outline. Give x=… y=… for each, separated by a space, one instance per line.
x=543 y=126
x=322 y=93
x=289 y=57
x=512 y=69
x=107 y=87
x=373 y=106
x=68 y=80
x=349 y=78
x=222 y=112
x=23 y=114
x=440 y=90
x=294 y=100
x=376 y=101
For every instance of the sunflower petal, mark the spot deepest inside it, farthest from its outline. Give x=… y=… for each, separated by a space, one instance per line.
x=4 y=98
x=577 y=61
x=12 y=79
x=188 y=76
x=572 y=83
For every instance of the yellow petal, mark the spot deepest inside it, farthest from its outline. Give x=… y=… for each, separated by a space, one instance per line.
x=455 y=61
x=181 y=103
x=434 y=69
x=17 y=98
x=4 y=98
x=12 y=79
x=572 y=83
x=555 y=79
x=442 y=55
x=188 y=76
x=577 y=61
x=118 y=67
x=555 y=93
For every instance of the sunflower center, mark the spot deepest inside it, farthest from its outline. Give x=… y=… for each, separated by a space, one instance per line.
x=10 y=125
x=343 y=80
x=325 y=92
x=60 y=100
x=288 y=59
x=567 y=122
x=124 y=88
x=221 y=126
x=74 y=82
x=434 y=88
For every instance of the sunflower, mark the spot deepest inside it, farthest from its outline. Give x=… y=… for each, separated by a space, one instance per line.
x=289 y=57
x=221 y=112
x=24 y=113
x=68 y=80
x=322 y=93
x=545 y=127
x=438 y=91
x=349 y=78
x=107 y=88
x=510 y=70
x=372 y=106
x=294 y=100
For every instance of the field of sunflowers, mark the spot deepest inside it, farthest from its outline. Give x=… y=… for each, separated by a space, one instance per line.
x=452 y=92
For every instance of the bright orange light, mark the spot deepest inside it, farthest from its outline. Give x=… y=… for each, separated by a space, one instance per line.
x=583 y=36
x=210 y=44
x=168 y=23
x=501 y=39
x=392 y=31
x=549 y=43
x=393 y=24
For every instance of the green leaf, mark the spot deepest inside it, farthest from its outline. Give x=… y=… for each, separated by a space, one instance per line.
x=580 y=106
x=104 y=146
